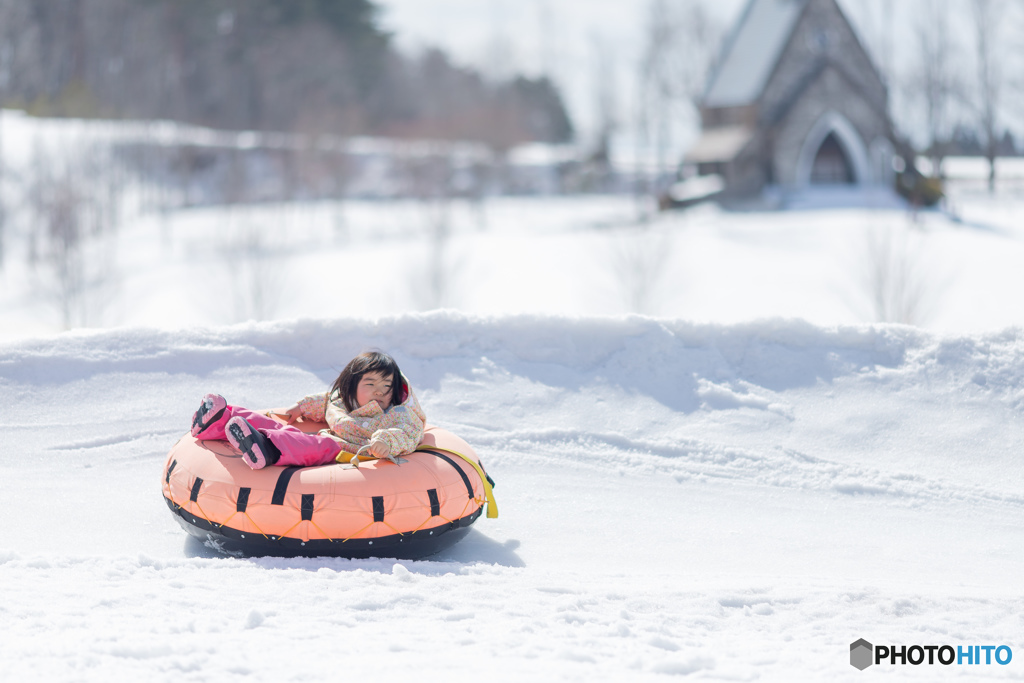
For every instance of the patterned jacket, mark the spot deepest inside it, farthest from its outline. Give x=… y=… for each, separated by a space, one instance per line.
x=400 y=426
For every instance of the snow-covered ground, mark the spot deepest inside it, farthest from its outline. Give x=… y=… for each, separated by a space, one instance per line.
x=735 y=502
x=563 y=256
x=734 y=488
x=828 y=262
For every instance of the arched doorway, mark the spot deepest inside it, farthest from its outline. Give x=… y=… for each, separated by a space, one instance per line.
x=831 y=166
x=832 y=152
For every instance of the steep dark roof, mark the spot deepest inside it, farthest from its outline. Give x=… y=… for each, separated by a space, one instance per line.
x=752 y=51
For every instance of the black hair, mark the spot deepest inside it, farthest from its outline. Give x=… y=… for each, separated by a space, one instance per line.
x=370 y=361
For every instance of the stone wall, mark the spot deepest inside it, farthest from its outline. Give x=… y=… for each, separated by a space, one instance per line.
x=831 y=92
x=822 y=32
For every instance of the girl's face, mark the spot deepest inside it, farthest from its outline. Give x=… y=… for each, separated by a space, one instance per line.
x=374 y=386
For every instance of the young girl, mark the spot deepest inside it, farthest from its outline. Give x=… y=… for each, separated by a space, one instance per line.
x=370 y=410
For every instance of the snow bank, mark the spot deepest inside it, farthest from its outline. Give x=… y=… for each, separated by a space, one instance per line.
x=644 y=386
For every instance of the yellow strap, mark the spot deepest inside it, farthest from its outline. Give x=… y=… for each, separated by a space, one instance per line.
x=492 y=505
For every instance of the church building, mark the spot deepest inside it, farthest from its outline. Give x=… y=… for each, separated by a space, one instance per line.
x=795 y=101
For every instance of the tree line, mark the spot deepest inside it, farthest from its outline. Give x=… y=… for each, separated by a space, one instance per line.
x=958 y=89
x=304 y=66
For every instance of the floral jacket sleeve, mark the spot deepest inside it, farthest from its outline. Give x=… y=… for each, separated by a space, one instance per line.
x=314 y=407
x=400 y=426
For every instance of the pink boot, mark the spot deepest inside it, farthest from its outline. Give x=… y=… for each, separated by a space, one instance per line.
x=211 y=410
x=257 y=450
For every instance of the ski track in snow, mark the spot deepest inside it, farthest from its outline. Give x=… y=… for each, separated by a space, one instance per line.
x=693 y=459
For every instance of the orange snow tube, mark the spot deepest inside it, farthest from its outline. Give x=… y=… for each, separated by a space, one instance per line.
x=380 y=509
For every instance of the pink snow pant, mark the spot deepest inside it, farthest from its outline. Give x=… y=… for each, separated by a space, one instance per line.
x=297 y=448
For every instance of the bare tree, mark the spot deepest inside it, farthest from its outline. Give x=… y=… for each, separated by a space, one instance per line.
x=678 y=48
x=439 y=280
x=3 y=197
x=547 y=46
x=639 y=258
x=73 y=221
x=255 y=267
x=989 y=17
x=701 y=35
x=880 y=36
x=11 y=26
x=658 y=83
x=323 y=164
x=428 y=176
x=895 y=278
x=935 y=81
x=599 y=159
x=1015 y=56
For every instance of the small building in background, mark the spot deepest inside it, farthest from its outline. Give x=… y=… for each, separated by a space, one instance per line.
x=795 y=101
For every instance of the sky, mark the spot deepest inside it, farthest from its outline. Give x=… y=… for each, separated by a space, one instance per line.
x=559 y=37
x=538 y=35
